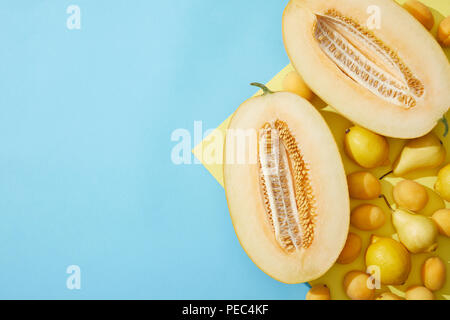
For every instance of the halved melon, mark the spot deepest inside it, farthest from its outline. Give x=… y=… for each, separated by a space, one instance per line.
x=286 y=187
x=392 y=78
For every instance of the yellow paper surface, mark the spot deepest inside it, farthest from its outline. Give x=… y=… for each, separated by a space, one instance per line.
x=206 y=153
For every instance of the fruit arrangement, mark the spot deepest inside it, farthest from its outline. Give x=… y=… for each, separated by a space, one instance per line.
x=353 y=197
x=401 y=216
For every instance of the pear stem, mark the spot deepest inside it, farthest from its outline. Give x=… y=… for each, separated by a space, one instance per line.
x=386 y=174
x=262 y=87
x=385 y=200
x=445 y=122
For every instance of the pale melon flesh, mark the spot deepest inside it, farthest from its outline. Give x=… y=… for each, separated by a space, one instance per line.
x=286 y=187
x=370 y=60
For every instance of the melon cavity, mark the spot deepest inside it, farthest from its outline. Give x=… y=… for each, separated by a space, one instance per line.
x=366 y=59
x=288 y=195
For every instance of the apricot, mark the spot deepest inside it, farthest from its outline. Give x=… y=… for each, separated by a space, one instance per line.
x=442 y=219
x=410 y=195
x=319 y=292
x=419 y=293
x=351 y=249
x=444 y=32
x=421 y=12
x=367 y=217
x=363 y=186
x=433 y=273
x=356 y=286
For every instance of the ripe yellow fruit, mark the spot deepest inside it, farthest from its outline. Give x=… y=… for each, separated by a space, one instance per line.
x=366 y=148
x=294 y=83
x=275 y=192
x=391 y=258
x=421 y=153
x=442 y=185
x=421 y=12
x=319 y=292
x=442 y=219
x=388 y=296
x=410 y=195
x=351 y=249
x=367 y=217
x=363 y=186
x=418 y=293
x=416 y=232
x=444 y=32
x=356 y=286
x=433 y=273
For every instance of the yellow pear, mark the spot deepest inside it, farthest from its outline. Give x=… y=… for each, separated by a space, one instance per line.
x=442 y=185
x=421 y=153
x=418 y=233
x=366 y=148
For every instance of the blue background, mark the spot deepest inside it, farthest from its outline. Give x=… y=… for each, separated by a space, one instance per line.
x=86 y=117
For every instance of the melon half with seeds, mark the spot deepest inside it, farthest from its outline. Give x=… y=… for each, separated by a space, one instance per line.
x=286 y=187
x=372 y=61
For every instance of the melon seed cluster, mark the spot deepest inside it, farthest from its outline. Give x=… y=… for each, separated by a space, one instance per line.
x=394 y=82
x=288 y=196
